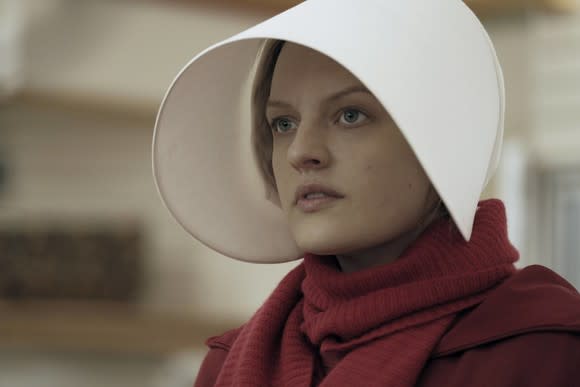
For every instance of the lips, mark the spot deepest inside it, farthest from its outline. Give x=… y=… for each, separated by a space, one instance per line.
x=306 y=189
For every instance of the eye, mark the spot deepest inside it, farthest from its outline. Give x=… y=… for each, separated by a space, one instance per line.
x=282 y=124
x=352 y=116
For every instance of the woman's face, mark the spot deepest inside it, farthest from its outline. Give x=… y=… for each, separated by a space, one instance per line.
x=329 y=129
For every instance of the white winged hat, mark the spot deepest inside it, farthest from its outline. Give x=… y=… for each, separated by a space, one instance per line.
x=429 y=62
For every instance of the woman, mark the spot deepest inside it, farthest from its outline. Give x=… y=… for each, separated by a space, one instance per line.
x=375 y=127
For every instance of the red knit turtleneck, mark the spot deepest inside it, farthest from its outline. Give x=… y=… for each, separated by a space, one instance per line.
x=324 y=327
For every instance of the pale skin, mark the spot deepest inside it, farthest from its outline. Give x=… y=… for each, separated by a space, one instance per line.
x=328 y=128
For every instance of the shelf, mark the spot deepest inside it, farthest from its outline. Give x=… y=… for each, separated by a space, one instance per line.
x=124 y=109
x=483 y=8
x=99 y=327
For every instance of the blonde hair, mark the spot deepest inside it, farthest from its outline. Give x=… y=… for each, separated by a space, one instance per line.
x=261 y=132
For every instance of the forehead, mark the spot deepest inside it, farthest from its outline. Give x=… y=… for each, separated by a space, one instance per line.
x=300 y=68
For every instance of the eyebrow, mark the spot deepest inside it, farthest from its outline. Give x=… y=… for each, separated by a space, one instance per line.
x=331 y=98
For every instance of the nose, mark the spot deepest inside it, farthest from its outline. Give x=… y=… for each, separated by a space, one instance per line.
x=309 y=149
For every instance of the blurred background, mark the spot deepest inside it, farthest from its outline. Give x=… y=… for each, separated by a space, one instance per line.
x=98 y=285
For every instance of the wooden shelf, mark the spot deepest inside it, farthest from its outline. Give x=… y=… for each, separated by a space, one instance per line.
x=143 y=112
x=99 y=327
x=484 y=8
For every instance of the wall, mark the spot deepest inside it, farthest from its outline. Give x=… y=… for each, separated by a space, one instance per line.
x=93 y=165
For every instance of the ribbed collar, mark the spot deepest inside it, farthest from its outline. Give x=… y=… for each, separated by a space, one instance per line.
x=438 y=268
x=377 y=327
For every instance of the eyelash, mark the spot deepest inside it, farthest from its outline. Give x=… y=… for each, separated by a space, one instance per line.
x=351 y=108
x=274 y=122
x=340 y=114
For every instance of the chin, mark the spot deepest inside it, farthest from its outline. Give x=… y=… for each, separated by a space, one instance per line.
x=314 y=243
x=320 y=245
x=337 y=241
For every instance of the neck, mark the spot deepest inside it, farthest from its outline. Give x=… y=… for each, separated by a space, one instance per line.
x=382 y=254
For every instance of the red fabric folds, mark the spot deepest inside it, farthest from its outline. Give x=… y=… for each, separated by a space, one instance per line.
x=375 y=327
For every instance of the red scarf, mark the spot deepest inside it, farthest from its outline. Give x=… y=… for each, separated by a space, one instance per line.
x=375 y=327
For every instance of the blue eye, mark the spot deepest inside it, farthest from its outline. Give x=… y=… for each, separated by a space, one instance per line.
x=352 y=116
x=281 y=125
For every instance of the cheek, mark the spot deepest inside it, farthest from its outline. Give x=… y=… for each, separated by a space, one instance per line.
x=415 y=189
x=384 y=181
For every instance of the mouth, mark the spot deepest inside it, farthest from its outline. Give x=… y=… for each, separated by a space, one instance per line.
x=311 y=197
x=315 y=203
